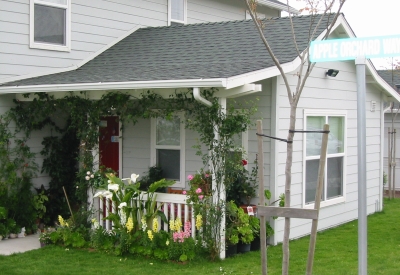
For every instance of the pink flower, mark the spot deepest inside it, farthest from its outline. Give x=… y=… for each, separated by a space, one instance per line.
x=184 y=192
x=201 y=197
x=190 y=177
x=198 y=190
x=244 y=162
x=207 y=175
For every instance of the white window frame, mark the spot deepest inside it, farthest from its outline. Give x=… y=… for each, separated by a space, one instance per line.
x=49 y=46
x=170 y=19
x=181 y=147
x=326 y=113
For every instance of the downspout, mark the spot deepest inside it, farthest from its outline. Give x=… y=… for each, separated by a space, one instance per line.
x=199 y=98
x=380 y=206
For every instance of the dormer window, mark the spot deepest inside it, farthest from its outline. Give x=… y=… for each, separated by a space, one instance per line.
x=177 y=12
x=50 y=24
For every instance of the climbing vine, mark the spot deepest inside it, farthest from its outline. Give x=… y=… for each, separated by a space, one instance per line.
x=74 y=119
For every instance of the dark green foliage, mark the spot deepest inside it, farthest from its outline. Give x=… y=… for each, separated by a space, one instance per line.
x=153 y=175
x=61 y=164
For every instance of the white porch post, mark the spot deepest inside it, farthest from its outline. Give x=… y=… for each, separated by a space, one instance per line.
x=219 y=192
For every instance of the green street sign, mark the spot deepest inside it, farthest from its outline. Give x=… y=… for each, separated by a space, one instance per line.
x=351 y=48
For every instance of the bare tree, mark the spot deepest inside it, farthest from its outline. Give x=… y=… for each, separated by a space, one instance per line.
x=324 y=10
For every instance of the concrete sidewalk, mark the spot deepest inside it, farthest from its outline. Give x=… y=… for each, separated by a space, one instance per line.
x=19 y=245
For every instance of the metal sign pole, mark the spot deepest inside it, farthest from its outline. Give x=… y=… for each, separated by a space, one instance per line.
x=361 y=148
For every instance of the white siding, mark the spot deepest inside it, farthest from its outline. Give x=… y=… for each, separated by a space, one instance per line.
x=329 y=93
x=388 y=123
x=95 y=24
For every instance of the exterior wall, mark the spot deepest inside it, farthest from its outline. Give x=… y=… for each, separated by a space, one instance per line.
x=328 y=93
x=94 y=24
x=136 y=141
x=388 y=123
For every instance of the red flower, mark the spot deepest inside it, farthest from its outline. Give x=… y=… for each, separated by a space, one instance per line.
x=244 y=162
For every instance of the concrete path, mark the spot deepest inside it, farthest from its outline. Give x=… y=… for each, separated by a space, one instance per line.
x=19 y=245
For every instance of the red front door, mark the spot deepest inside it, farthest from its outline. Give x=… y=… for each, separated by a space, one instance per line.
x=109 y=143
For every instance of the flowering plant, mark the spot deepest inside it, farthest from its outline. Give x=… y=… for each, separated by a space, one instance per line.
x=133 y=208
x=241 y=184
x=183 y=246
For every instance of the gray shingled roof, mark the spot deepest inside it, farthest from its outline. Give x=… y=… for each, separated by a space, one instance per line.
x=392 y=77
x=209 y=50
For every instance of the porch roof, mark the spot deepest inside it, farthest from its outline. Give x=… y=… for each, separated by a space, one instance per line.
x=183 y=53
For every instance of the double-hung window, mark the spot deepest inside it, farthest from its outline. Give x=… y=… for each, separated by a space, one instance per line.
x=50 y=24
x=168 y=147
x=177 y=10
x=334 y=180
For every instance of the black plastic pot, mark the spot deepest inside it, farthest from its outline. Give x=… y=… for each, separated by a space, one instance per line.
x=231 y=250
x=243 y=247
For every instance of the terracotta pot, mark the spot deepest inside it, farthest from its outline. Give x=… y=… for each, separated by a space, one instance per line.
x=244 y=207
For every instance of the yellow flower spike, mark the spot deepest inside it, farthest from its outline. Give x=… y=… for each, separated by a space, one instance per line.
x=172 y=225
x=178 y=225
x=150 y=234
x=61 y=220
x=155 y=224
x=129 y=224
x=199 y=221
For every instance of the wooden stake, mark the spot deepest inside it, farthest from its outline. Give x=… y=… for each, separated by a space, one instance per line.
x=70 y=210
x=260 y=163
x=317 y=204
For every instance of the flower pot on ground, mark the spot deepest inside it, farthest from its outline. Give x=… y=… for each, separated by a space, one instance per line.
x=22 y=233
x=243 y=247
x=231 y=250
x=13 y=236
x=238 y=226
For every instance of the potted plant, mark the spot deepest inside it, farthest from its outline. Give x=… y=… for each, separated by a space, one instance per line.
x=239 y=227
x=39 y=201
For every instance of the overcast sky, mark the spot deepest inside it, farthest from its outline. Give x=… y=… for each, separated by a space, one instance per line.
x=369 y=18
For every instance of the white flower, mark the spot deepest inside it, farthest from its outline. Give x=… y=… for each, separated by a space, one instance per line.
x=109 y=181
x=92 y=176
x=108 y=194
x=134 y=177
x=113 y=187
x=122 y=204
x=87 y=178
x=99 y=194
x=88 y=173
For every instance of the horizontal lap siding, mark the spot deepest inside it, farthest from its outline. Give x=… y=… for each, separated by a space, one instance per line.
x=396 y=124
x=136 y=148
x=95 y=24
x=338 y=93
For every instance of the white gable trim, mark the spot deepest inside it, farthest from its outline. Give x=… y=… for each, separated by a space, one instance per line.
x=274 y=5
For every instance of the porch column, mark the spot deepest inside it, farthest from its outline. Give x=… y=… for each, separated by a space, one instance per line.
x=221 y=195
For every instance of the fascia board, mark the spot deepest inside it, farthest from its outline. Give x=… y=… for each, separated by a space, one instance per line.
x=281 y=7
x=259 y=75
x=73 y=67
x=216 y=82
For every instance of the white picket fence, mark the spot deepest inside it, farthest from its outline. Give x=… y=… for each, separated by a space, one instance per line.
x=173 y=205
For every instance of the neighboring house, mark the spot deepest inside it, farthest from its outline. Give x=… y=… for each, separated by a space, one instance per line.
x=42 y=36
x=231 y=57
x=392 y=77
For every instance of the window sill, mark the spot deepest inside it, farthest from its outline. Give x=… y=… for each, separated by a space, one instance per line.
x=50 y=47
x=326 y=203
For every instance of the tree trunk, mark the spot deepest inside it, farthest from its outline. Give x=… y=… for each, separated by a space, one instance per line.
x=288 y=174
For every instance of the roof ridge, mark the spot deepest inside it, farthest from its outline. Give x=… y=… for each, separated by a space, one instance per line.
x=226 y=22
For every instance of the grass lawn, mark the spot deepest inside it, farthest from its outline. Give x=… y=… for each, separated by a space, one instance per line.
x=336 y=253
